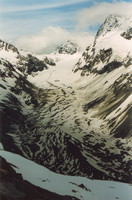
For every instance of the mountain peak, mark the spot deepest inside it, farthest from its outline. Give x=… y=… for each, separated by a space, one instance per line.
x=68 y=48
x=113 y=22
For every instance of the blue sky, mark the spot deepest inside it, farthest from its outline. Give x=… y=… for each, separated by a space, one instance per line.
x=20 y=18
x=39 y=14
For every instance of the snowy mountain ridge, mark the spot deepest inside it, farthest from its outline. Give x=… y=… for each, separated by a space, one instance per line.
x=110 y=45
x=25 y=62
x=115 y=22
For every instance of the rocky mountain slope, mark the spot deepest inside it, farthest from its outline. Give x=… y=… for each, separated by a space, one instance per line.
x=111 y=53
x=71 y=115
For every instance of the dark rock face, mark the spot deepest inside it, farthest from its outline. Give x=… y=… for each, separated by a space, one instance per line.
x=110 y=67
x=49 y=61
x=34 y=65
x=128 y=34
x=13 y=187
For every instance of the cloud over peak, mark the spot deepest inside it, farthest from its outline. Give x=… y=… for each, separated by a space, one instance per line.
x=49 y=38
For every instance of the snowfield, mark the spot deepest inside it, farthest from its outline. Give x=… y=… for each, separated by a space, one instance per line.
x=79 y=187
x=60 y=75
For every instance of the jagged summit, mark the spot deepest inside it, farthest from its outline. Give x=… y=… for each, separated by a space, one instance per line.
x=114 y=22
x=67 y=48
x=111 y=22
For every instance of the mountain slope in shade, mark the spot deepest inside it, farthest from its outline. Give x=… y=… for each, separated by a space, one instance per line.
x=72 y=124
x=74 y=187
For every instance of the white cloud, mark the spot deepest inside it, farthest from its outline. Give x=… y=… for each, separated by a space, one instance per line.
x=96 y=14
x=49 y=38
x=40 y=6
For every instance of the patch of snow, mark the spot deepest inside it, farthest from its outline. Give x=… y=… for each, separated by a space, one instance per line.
x=120 y=45
x=9 y=55
x=1 y=146
x=2 y=67
x=79 y=187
